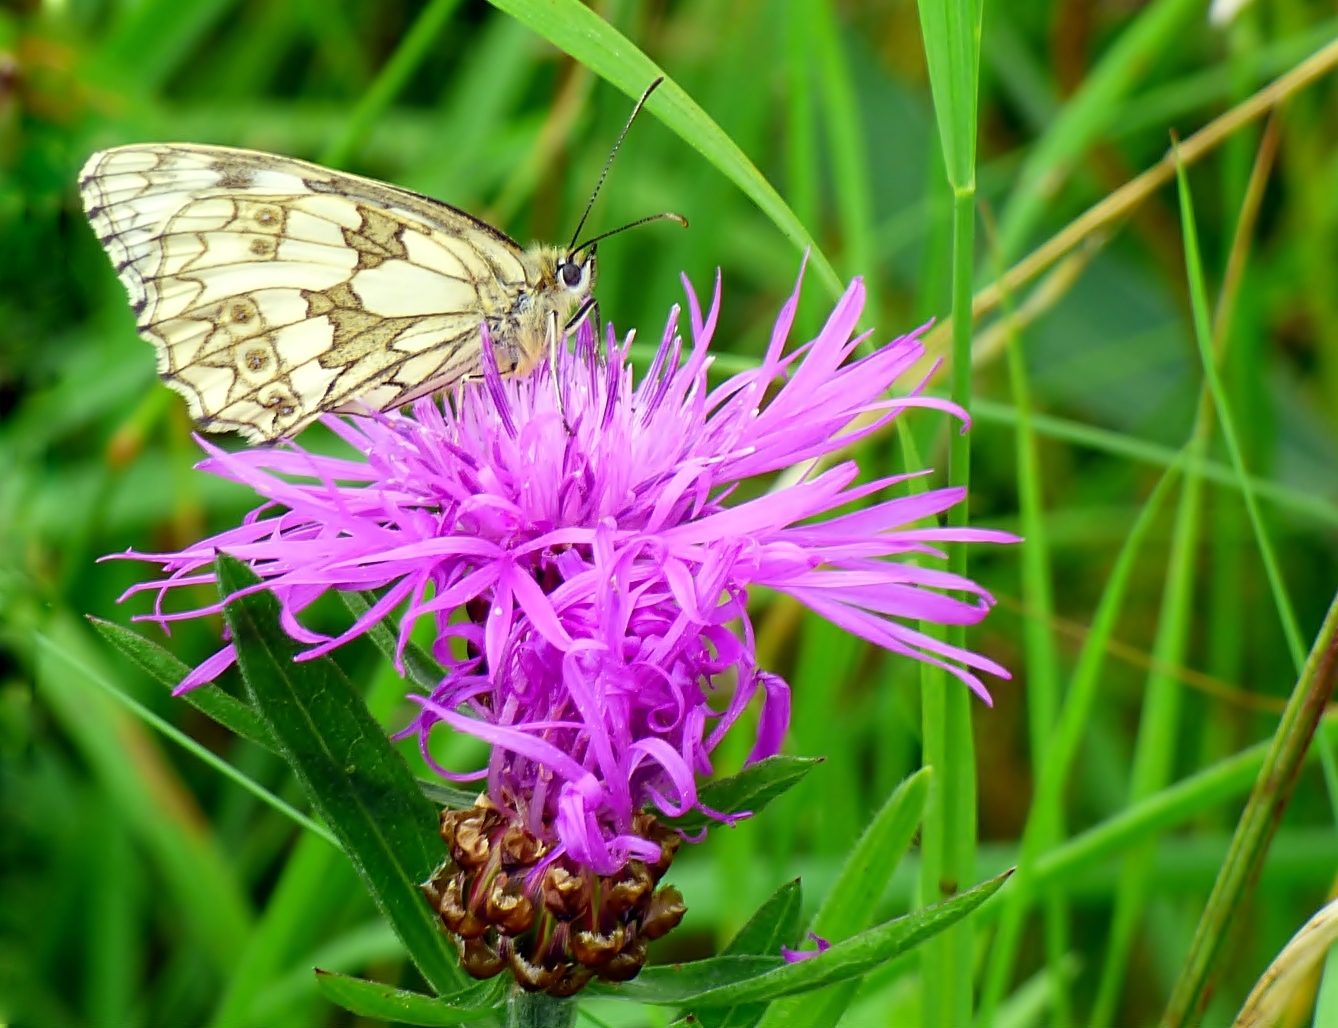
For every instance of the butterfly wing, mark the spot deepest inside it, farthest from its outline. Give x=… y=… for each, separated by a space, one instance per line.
x=274 y=290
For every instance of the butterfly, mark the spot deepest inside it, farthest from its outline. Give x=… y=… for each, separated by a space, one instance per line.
x=275 y=290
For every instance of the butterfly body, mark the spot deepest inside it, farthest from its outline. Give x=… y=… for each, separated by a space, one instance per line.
x=274 y=290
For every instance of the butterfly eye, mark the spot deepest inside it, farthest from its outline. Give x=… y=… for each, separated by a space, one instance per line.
x=571 y=274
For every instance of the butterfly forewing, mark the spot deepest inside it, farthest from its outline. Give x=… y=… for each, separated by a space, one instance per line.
x=274 y=290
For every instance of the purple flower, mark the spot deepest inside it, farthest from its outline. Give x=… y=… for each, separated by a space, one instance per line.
x=601 y=565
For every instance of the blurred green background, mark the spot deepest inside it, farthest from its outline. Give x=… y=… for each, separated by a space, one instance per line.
x=140 y=888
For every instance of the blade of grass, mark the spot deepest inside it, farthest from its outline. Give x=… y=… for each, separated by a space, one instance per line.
x=1204 y=335
x=114 y=936
x=801 y=152
x=1285 y=756
x=351 y=773
x=183 y=740
x=1259 y=820
x=576 y=30
x=1159 y=722
x=154 y=803
x=951 y=33
x=803 y=177
x=851 y=906
x=1046 y=810
x=934 y=746
x=1119 y=204
x=390 y=80
x=1089 y=113
x=850 y=162
x=1041 y=655
x=1249 y=64
x=1175 y=805
x=301 y=897
x=1123 y=445
x=1152 y=762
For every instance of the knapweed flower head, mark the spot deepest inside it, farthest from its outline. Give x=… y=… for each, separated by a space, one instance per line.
x=585 y=523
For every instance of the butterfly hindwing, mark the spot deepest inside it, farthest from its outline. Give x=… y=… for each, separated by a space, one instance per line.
x=274 y=290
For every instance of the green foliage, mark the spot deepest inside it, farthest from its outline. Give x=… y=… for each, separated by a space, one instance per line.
x=370 y=999
x=190 y=883
x=352 y=776
x=748 y=791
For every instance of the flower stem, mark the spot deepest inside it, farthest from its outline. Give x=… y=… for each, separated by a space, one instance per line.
x=539 y=1010
x=949 y=834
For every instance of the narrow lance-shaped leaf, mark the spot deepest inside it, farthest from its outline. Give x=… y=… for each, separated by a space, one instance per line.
x=720 y=981
x=851 y=904
x=575 y=29
x=951 y=30
x=163 y=667
x=750 y=790
x=352 y=775
x=386 y=1003
x=775 y=924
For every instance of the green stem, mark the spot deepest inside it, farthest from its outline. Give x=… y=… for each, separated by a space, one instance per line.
x=1071 y=724
x=539 y=1010
x=1042 y=668
x=955 y=767
x=1249 y=845
x=1305 y=706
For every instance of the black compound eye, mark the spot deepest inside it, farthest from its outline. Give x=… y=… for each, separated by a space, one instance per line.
x=571 y=274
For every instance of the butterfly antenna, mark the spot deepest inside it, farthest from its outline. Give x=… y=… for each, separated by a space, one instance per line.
x=612 y=154
x=664 y=216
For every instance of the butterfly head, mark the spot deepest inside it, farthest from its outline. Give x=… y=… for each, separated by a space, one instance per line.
x=575 y=273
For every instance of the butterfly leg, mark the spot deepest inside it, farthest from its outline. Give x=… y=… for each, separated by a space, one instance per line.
x=588 y=309
x=555 y=339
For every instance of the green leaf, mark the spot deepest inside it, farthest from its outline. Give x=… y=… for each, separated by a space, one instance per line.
x=352 y=775
x=575 y=29
x=425 y=673
x=739 y=979
x=386 y=1003
x=422 y=670
x=447 y=795
x=775 y=924
x=951 y=30
x=163 y=667
x=850 y=906
x=750 y=790
x=1064 y=743
x=1305 y=706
